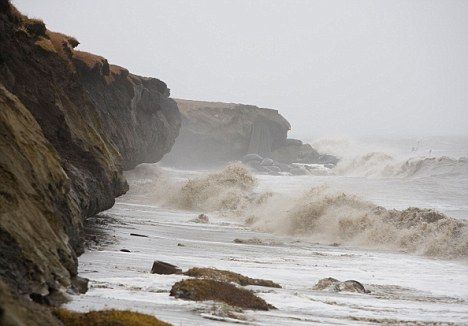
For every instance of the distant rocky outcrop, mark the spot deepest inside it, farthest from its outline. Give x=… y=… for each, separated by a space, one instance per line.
x=70 y=123
x=214 y=133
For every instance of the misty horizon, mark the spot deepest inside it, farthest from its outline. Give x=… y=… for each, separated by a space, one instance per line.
x=331 y=68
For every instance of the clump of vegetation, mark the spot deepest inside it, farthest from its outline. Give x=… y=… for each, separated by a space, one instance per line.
x=107 y=318
x=35 y=26
x=228 y=276
x=73 y=41
x=93 y=62
x=204 y=289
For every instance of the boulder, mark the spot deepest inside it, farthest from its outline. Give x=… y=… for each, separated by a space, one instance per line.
x=160 y=267
x=228 y=276
x=209 y=290
x=350 y=286
x=334 y=285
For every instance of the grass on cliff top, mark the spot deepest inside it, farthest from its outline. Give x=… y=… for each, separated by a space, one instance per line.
x=107 y=318
x=228 y=276
x=204 y=290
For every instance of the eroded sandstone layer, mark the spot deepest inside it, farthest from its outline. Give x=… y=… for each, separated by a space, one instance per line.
x=70 y=123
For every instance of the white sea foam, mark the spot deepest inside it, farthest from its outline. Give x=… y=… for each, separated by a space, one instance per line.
x=318 y=214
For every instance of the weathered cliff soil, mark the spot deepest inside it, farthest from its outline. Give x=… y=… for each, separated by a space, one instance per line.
x=69 y=124
x=214 y=133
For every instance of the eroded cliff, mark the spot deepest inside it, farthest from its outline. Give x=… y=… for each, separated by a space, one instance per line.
x=70 y=123
x=214 y=133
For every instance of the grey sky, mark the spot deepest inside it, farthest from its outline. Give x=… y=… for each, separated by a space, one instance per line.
x=331 y=67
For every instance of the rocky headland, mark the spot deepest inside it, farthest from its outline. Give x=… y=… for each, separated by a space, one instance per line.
x=70 y=123
x=214 y=133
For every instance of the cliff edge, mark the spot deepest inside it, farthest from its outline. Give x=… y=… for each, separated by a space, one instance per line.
x=70 y=123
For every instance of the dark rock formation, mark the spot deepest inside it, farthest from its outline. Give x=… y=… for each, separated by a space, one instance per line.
x=214 y=133
x=69 y=124
x=161 y=267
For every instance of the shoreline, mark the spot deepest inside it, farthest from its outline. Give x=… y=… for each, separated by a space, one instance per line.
x=122 y=280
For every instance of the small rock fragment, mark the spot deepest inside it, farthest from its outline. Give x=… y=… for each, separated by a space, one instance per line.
x=125 y=250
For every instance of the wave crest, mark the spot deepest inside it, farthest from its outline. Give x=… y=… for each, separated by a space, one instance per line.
x=377 y=164
x=317 y=215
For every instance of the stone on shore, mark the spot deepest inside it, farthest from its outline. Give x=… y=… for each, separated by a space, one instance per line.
x=228 y=276
x=160 y=267
x=204 y=290
x=334 y=285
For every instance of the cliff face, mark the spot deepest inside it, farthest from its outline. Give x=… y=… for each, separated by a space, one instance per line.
x=69 y=124
x=213 y=133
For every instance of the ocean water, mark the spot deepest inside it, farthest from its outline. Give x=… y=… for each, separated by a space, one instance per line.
x=350 y=222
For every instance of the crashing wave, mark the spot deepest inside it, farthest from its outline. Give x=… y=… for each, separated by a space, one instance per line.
x=378 y=164
x=366 y=160
x=317 y=215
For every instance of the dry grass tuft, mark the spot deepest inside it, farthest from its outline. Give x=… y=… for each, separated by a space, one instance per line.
x=107 y=318
x=203 y=290
x=228 y=276
x=93 y=62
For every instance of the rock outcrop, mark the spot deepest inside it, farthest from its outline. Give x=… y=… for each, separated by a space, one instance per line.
x=334 y=285
x=70 y=123
x=215 y=133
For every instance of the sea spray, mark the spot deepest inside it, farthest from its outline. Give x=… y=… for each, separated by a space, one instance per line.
x=360 y=159
x=228 y=189
x=346 y=219
x=317 y=215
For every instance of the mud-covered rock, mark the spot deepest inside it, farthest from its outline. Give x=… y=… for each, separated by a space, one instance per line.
x=228 y=276
x=107 y=317
x=204 y=289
